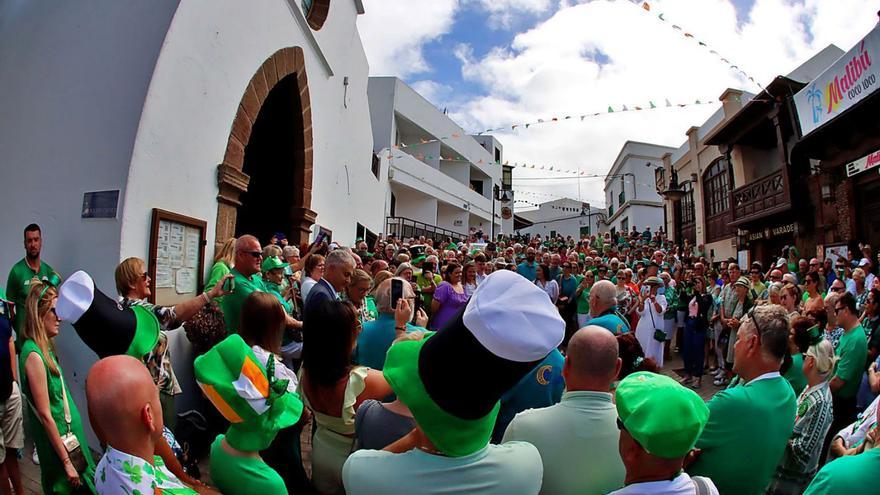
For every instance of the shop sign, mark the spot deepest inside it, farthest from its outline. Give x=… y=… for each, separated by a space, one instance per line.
x=847 y=81
x=862 y=164
x=769 y=232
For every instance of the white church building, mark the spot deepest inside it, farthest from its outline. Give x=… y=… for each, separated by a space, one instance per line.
x=251 y=117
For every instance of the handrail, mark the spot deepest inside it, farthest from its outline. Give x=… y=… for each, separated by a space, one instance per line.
x=406 y=227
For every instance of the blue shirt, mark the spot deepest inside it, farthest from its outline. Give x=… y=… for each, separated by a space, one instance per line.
x=528 y=271
x=542 y=387
x=375 y=339
x=568 y=287
x=612 y=323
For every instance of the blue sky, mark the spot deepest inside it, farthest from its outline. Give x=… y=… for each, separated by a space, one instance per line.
x=494 y=63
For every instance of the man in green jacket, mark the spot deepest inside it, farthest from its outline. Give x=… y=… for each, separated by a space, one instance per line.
x=750 y=423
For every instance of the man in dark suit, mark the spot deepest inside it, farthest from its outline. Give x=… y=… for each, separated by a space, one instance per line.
x=338 y=269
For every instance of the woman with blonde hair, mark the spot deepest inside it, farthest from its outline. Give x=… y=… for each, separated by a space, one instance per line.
x=814 y=414
x=224 y=262
x=358 y=292
x=52 y=414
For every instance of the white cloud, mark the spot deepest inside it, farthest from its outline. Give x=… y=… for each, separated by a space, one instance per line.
x=394 y=32
x=503 y=12
x=437 y=93
x=551 y=70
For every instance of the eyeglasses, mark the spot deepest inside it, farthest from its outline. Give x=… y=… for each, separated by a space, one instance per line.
x=775 y=277
x=255 y=254
x=755 y=272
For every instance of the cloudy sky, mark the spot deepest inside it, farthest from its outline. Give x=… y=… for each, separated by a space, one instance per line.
x=493 y=63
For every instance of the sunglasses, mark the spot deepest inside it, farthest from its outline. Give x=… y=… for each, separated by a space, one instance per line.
x=837 y=289
x=54 y=312
x=838 y=310
x=755 y=272
x=775 y=277
x=255 y=254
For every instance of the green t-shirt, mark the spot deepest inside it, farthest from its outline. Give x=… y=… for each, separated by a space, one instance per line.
x=218 y=271
x=427 y=297
x=19 y=282
x=853 y=352
x=231 y=304
x=583 y=302
x=748 y=429
x=848 y=474
x=795 y=374
x=242 y=475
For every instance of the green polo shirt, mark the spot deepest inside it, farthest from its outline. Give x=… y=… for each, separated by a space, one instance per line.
x=848 y=474
x=583 y=302
x=231 y=303
x=19 y=282
x=853 y=352
x=748 y=429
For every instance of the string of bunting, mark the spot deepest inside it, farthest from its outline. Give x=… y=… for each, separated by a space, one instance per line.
x=734 y=67
x=650 y=105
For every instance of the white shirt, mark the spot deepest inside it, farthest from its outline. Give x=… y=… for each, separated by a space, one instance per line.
x=306 y=286
x=765 y=376
x=281 y=372
x=680 y=485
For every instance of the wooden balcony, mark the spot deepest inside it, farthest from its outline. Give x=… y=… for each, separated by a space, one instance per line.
x=761 y=198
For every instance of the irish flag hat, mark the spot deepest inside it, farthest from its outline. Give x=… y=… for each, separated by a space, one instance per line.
x=246 y=393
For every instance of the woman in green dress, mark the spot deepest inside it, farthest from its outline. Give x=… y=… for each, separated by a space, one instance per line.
x=43 y=381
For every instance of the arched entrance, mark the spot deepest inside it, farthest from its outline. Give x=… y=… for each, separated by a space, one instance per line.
x=265 y=179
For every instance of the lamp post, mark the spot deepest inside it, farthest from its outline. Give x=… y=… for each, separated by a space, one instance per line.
x=498 y=194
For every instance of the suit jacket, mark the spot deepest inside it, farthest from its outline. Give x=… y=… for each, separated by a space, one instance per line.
x=322 y=291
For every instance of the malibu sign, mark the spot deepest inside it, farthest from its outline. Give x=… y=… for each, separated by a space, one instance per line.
x=851 y=78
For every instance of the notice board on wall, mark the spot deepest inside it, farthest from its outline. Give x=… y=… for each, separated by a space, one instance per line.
x=177 y=256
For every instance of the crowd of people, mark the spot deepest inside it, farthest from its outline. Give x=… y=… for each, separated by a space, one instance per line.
x=418 y=365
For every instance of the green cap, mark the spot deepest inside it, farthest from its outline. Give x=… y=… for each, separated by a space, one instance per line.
x=3 y=294
x=665 y=418
x=246 y=393
x=271 y=263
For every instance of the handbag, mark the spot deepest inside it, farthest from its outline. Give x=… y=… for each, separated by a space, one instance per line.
x=659 y=335
x=71 y=443
x=69 y=440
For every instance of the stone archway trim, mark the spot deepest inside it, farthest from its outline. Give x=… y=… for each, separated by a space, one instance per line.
x=231 y=179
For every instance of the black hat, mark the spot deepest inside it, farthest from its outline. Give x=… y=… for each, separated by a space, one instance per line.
x=103 y=324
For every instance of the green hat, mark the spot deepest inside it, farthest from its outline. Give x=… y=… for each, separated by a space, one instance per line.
x=482 y=359
x=3 y=294
x=246 y=394
x=106 y=326
x=816 y=334
x=271 y=263
x=654 y=281
x=419 y=259
x=665 y=418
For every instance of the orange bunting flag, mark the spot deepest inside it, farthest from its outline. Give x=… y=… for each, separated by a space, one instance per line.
x=646 y=6
x=554 y=119
x=688 y=35
x=455 y=135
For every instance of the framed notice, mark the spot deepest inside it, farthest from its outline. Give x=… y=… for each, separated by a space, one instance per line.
x=176 y=258
x=835 y=251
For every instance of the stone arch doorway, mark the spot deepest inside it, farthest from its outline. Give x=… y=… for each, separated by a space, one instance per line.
x=265 y=180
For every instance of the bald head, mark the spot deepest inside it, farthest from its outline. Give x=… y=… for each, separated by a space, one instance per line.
x=123 y=403
x=591 y=361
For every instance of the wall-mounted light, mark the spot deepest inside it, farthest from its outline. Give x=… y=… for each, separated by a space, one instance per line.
x=826 y=192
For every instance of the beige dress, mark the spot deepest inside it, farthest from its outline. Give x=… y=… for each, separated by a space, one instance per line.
x=334 y=437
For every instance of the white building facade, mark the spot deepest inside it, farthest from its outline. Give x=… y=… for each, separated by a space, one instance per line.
x=233 y=113
x=563 y=217
x=441 y=179
x=630 y=188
